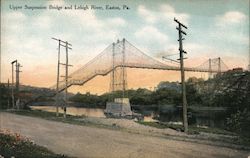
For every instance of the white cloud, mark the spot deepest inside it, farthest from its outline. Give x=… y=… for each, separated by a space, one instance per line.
x=148 y=15
x=150 y=34
x=116 y=22
x=167 y=13
x=8 y=21
x=231 y=17
x=229 y=27
x=43 y=22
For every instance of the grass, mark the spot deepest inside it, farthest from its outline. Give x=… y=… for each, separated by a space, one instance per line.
x=196 y=130
x=17 y=146
x=77 y=120
x=192 y=129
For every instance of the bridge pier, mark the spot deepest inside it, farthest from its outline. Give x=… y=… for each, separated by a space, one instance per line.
x=119 y=108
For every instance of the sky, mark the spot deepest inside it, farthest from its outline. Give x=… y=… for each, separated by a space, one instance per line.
x=216 y=28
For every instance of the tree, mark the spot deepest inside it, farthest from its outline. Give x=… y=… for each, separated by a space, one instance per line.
x=4 y=96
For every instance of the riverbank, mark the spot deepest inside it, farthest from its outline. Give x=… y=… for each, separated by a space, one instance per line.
x=93 y=140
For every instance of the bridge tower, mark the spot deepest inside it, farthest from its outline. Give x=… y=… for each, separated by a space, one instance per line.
x=118 y=74
x=118 y=107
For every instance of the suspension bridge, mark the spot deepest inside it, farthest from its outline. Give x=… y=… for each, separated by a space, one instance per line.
x=121 y=55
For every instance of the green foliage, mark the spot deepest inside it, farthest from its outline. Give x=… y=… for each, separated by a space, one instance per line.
x=89 y=100
x=13 y=145
x=166 y=96
x=192 y=129
x=140 y=96
x=239 y=122
x=4 y=94
x=193 y=97
x=235 y=96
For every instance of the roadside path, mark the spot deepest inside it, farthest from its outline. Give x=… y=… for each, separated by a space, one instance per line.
x=84 y=141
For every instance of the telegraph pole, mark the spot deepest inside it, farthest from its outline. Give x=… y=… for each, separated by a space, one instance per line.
x=0 y=66
x=58 y=74
x=210 y=69
x=183 y=86
x=249 y=61
x=12 y=83
x=67 y=47
x=18 y=65
x=66 y=82
x=219 y=66
x=8 y=93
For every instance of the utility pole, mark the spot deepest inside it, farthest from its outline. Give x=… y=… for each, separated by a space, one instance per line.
x=249 y=61
x=210 y=68
x=12 y=84
x=219 y=66
x=67 y=47
x=0 y=66
x=18 y=65
x=183 y=86
x=66 y=82
x=8 y=93
x=58 y=74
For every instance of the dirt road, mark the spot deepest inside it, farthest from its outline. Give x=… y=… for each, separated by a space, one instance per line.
x=84 y=141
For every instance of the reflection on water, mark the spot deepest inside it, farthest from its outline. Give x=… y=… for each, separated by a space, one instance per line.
x=89 y=112
x=76 y=111
x=150 y=118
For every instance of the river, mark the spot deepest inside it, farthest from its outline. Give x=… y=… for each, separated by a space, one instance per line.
x=79 y=111
x=76 y=111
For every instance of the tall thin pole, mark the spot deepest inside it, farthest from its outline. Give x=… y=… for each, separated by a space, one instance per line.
x=210 y=69
x=249 y=60
x=57 y=80
x=18 y=65
x=12 y=87
x=67 y=46
x=0 y=66
x=17 y=77
x=17 y=85
x=12 y=83
x=183 y=86
x=66 y=82
x=219 y=65
x=8 y=93
x=123 y=68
